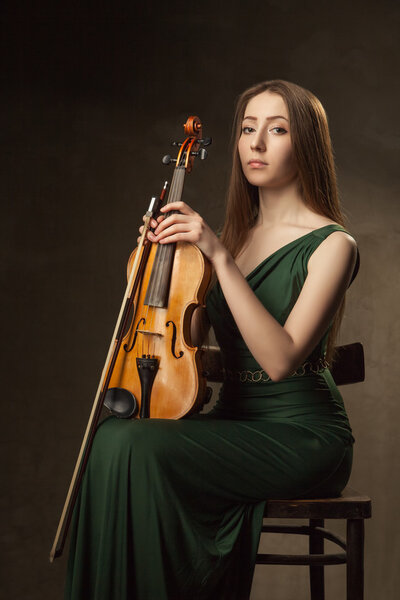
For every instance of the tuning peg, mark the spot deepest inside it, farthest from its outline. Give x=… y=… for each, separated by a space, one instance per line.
x=167 y=159
x=206 y=142
x=202 y=154
x=176 y=144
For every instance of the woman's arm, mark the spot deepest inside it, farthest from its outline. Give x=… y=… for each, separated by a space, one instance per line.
x=279 y=350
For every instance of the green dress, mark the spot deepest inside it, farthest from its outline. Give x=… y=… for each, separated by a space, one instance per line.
x=173 y=509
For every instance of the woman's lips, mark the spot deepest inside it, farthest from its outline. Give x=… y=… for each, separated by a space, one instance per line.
x=257 y=163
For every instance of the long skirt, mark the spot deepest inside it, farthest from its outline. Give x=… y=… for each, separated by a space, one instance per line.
x=172 y=510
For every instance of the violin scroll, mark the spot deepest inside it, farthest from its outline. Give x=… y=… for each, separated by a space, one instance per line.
x=192 y=147
x=193 y=127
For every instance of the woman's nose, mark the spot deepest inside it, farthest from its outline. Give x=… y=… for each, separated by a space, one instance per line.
x=258 y=142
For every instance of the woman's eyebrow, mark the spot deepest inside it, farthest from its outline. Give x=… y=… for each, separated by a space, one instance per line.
x=267 y=118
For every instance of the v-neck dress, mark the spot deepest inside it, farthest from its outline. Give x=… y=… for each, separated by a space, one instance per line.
x=172 y=510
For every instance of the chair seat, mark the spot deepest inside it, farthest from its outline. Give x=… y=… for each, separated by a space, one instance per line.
x=349 y=505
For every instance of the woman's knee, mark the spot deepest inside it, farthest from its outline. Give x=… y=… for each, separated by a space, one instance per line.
x=137 y=436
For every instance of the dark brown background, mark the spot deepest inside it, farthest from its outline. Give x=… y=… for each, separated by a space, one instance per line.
x=91 y=100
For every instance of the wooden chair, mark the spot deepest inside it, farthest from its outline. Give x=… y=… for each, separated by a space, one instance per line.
x=352 y=506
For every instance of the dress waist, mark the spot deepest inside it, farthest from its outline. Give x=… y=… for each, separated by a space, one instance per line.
x=312 y=398
x=261 y=376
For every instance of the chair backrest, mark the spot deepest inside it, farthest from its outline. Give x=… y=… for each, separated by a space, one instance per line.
x=348 y=366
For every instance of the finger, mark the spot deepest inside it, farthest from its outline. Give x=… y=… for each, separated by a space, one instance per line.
x=153 y=222
x=176 y=237
x=181 y=206
x=172 y=229
x=141 y=229
x=169 y=221
x=152 y=237
x=191 y=235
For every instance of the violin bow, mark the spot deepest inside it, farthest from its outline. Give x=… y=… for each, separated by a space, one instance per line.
x=116 y=341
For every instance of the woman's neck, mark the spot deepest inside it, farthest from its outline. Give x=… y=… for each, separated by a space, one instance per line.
x=283 y=205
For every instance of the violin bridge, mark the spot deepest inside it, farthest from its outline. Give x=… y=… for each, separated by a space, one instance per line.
x=147 y=332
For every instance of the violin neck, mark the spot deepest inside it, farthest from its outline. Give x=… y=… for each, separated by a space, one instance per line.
x=176 y=189
x=158 y=289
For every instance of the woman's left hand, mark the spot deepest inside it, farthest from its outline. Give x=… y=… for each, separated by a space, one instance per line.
x=186 y=226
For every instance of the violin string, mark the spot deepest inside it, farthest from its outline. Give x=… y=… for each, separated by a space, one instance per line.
x=132 y=327
x=162 y=254
x=146 y=326
x=163 y=251
x=146 y=337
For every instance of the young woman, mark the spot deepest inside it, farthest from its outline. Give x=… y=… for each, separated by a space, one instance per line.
x=173 y=509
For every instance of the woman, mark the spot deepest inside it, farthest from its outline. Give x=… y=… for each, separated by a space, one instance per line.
x=173 y=509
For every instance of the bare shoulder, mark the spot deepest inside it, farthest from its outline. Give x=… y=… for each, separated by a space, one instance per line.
x=338 y=247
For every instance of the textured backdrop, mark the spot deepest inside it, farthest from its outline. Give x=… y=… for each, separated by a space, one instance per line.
x=91 y=100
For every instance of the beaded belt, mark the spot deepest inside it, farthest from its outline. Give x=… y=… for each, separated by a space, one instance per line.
x=261 y=376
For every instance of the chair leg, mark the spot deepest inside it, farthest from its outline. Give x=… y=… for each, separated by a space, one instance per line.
x=316 y=546
x=355 y=559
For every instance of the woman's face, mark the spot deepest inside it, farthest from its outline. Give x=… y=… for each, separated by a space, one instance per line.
x=265 y=146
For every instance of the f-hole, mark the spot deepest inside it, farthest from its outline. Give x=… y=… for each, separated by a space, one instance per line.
x=173 y=339
x=135 y=336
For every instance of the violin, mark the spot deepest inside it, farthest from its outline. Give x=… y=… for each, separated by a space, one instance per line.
x=152 y=370
x=158 y=371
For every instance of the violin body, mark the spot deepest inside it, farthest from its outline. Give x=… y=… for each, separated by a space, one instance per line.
x=163 y=333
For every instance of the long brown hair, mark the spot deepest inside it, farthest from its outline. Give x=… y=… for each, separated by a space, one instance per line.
x=312 y=148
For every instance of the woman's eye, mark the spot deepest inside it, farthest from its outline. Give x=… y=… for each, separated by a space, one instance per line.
x=279 y=130
x=247 y=129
